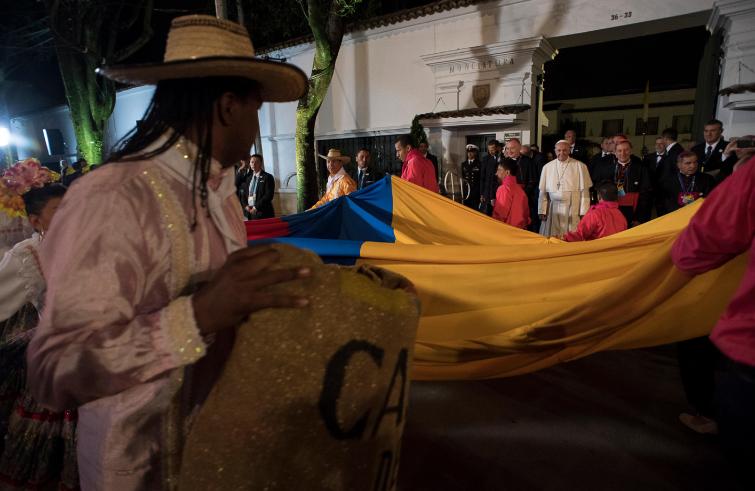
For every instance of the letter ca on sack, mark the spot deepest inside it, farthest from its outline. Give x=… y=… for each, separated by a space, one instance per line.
x=335 y=374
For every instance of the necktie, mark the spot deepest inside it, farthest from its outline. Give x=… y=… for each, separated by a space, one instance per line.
x=253 y=187
x=360 y=179
x=708 y=151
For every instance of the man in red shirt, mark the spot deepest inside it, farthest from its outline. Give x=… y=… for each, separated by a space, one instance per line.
x=416 y=169
x=511 y=205
x=722 y=229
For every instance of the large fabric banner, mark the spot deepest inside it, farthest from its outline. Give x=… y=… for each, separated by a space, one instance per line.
x=498 y=301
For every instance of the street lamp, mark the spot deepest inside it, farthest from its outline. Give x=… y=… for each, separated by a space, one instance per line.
x=4 y=136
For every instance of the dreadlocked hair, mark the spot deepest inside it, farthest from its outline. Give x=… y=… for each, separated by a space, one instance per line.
x=181 y=107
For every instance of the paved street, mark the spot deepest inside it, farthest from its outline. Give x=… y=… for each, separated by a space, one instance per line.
x=608 y=421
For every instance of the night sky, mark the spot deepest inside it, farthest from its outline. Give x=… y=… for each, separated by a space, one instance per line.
x=669 y=60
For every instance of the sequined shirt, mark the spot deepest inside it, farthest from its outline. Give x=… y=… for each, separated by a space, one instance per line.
x=117 y=328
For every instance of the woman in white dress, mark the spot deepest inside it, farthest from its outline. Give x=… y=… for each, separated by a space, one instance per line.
x=37 y=446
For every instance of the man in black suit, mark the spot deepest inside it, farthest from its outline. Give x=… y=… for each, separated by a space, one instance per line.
x=667 y=166
x=653 y=159
x=606 y=153
x=577 y=152
x=488 y=180
x=710 y=153
x=673 y=149
x=243 y=171
x=259 y=189
x=365 y=175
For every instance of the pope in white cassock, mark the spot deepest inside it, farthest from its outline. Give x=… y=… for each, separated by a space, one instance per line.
x=564 y=193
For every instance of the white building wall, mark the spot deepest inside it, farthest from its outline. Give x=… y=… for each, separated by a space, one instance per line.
x=382 y=78
x=737 y=18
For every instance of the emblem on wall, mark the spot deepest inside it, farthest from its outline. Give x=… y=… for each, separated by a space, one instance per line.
x=481 y=94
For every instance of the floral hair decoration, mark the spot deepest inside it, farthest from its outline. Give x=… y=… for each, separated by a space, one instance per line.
x=19 y=179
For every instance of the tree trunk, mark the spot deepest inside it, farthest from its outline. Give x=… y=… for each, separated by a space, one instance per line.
x=327 y=28
x=91 y=100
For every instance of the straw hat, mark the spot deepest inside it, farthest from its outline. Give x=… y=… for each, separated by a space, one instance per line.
x=204 y=46
x=334 y=153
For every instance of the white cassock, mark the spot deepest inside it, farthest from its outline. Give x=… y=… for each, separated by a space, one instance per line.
x=564 y=196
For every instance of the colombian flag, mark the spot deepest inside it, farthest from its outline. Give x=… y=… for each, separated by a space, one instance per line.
x=499 y=301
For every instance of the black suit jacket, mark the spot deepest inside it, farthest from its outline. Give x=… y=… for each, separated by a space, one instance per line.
x=651 y=162
x=488 y=180
x=370 y=176
x=596 y=160
x=639 y=181
x=579 y=153
x=529 y=177
x=432 y=158
x=670 y=187
x=263 y=197
x=241 y=176
x=668 y=164
x=715 y=161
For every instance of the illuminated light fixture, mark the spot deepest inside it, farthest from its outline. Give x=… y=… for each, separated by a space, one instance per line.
x=4 y=136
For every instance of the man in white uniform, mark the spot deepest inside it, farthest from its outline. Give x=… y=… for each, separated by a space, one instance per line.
x=564 y=193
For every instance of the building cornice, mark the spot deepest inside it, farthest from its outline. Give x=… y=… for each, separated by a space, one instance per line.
x=382 y=21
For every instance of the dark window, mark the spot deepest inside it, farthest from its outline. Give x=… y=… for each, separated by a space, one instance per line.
x=652 y=127
x=612 y=127
x=579 y=127
x=682 y=124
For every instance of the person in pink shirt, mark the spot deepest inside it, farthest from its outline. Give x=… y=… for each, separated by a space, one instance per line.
x=722 y=229
x=511 y=204
x=601 y=220
x=416 y=169
x=147 y=267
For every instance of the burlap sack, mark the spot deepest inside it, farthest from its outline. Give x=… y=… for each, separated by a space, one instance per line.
x=311 y=398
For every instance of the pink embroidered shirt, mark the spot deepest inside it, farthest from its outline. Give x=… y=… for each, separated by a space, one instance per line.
x=118 y=329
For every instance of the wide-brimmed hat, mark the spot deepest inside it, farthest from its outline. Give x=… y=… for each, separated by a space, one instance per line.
x=204 y=46
x=335 y=154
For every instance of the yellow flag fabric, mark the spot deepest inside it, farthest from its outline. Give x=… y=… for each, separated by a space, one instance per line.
x=499 y=301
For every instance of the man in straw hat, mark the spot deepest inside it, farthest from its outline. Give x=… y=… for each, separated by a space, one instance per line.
x=339 y=182
x=145 y=288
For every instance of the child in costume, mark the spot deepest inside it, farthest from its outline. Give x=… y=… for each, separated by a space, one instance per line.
x=601 y=220
x=37 y=446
